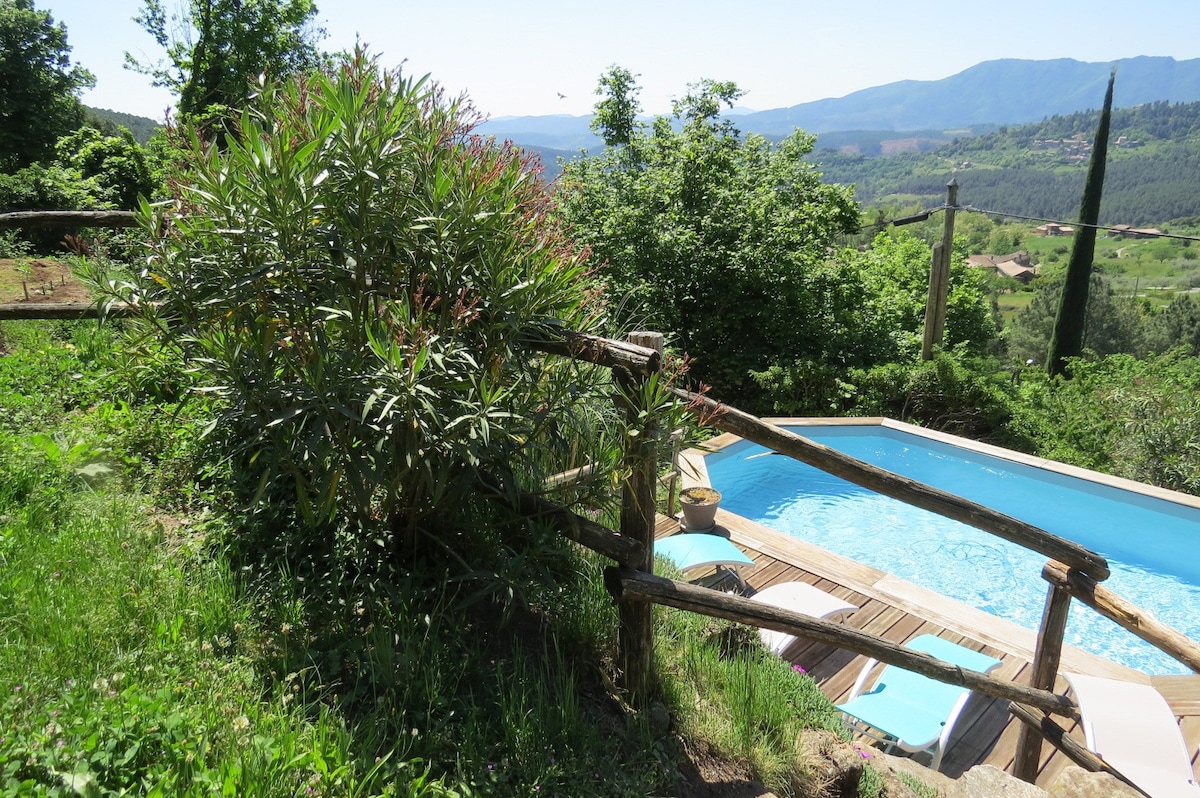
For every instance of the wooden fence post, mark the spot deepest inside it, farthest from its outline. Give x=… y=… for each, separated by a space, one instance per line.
x=1045 y=671
x=636 y=634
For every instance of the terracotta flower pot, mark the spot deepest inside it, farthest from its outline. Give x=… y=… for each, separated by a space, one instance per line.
x=699 y=508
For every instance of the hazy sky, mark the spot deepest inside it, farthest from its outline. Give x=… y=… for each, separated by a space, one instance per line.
x=516 y=58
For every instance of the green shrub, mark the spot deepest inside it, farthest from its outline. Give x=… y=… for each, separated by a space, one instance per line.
x=952 y=392
x=1121 y=415
x=354 y=278
x=52 y=187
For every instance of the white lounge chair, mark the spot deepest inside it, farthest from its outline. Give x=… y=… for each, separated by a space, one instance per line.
x=1132 y=728
x=799 y=597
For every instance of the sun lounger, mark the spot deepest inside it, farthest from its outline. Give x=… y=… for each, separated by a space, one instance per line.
x=911 y=711
x=1132 y=728
x=693 y=550
x=799 y=597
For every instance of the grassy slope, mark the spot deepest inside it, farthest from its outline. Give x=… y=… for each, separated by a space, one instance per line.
x=137 y=657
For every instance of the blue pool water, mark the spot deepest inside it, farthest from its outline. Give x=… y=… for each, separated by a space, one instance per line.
x=1151 y=544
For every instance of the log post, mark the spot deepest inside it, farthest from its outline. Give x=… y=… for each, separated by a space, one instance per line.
x=636 y=633
x=1045 y=672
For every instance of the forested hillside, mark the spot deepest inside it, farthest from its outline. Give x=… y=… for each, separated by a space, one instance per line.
x=1038 y=169
x=108 y=121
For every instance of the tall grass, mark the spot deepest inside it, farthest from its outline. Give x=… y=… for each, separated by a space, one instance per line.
x=728 y=691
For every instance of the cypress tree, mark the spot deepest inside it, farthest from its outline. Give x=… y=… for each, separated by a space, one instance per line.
x=1067 y=338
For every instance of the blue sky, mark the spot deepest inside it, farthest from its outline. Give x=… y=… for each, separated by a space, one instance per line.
x=516 y=58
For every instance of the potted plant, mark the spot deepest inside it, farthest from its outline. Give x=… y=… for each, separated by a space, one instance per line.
x=699 y=508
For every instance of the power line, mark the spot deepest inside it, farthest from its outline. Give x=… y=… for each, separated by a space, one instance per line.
x=923 y=215
x=1138 y=233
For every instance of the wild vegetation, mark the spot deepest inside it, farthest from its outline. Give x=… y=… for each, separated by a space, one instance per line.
x=262 y=539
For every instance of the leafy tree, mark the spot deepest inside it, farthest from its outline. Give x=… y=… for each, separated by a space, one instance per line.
x=118 y=164
x=39 y=88
x=718 y=239
x=1067 y=338
x=1178 y=324
x=355 y=278
x=897 y=267
x=894 y=273
x=216 y=48
x=1112 y=326
x=616 y=115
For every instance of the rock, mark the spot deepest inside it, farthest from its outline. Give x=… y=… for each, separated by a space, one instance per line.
x=1075 y=782
x=983 y=781
x=892 y=767
x=837 y=765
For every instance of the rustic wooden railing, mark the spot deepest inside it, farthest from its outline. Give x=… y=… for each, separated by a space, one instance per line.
x=50 y=219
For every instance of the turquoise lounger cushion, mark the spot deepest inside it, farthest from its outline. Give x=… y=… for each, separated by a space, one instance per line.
x=690 y=550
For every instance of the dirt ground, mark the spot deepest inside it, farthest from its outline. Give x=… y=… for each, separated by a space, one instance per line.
x=39 y=280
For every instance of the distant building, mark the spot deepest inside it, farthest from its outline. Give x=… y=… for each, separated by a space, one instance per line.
x=1016 y=265
x=1055 y=230
x=1125 y=231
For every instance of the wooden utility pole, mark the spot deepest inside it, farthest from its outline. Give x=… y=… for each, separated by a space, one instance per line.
x=939 y=277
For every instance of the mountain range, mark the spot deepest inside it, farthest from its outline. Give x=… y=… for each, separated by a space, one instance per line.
x=1005 y=91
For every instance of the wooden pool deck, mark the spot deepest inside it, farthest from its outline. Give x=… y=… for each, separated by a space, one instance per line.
x=899 y=611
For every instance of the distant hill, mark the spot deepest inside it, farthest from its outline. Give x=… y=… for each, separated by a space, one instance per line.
x=141 y=127
x=1003 y=92
x=1038 y=169
x=556 y=132
x=1008 y=91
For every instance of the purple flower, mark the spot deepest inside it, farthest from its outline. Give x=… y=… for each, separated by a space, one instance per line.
x=798 y=668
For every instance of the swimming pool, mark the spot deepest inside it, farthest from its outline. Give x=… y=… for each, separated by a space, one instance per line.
x=1151 y=542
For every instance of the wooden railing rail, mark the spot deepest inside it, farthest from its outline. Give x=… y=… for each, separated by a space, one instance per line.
x=1124 y=613
x=730 y=419
x=627 y=584
x=48 y=219
x=64 y=311
x=634 y=358
x=597 y=537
